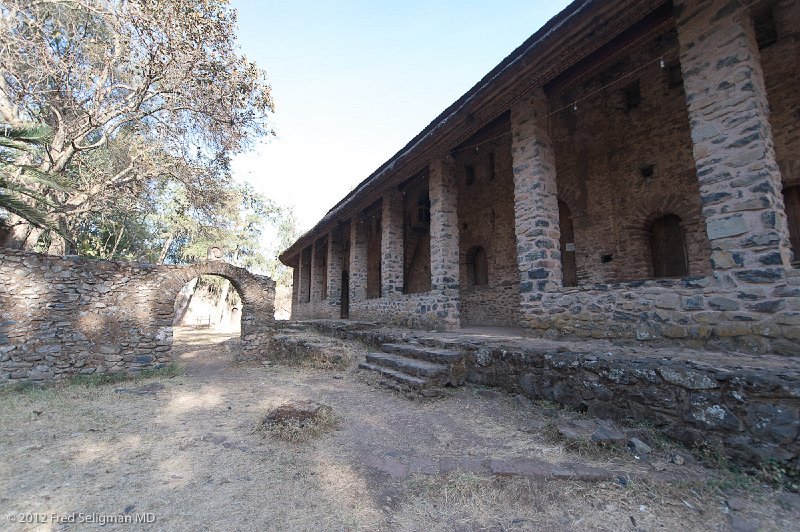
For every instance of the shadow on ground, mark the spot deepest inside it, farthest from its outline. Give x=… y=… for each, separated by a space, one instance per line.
x=189 y=454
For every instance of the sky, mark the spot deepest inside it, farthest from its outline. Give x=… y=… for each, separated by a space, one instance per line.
x=354 y=81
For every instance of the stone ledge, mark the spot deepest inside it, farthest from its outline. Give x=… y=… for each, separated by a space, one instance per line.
x=744 y=406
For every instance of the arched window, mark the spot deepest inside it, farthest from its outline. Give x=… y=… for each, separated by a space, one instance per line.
x=478 y=265
x=791 y=201
x=668 y=247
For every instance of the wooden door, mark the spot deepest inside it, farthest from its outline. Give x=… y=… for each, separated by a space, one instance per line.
x=791 y=200
x=344 y=312
x=568 y=268
x=668 y=247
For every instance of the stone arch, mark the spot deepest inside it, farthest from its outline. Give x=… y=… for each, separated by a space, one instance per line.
x=648 y=209
x=668 y=247
x=96 y=316
x=256 y=291
x=477 y=261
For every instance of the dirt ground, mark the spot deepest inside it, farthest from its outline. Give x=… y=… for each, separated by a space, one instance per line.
x=188 y=457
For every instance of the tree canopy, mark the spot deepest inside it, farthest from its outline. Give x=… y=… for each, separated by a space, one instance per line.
x=144 y=103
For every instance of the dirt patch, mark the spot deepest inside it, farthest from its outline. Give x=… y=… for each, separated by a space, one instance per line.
x=189 y=455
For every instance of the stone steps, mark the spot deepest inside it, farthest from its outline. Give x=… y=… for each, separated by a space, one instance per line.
x=398 y=376
x=420 y=352
x=411 y=366
x=416 y=366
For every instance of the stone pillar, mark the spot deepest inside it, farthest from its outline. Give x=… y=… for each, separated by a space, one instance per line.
x=335 y=269
x=443 y=194
x=740 y=183
x=535 y=202
x=358 y=260
x=392 y=243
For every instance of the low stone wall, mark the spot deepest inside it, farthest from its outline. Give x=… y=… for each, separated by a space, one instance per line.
x=325 y=309
x=61 y=316
x=746 y=407
x=430 y=310
x=437 y=309
x=755 y=311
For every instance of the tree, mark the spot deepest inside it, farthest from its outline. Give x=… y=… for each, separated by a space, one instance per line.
x=135 y=92
x=20 y=146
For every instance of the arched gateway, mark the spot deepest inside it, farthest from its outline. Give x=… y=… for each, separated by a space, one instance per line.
x=62 y=316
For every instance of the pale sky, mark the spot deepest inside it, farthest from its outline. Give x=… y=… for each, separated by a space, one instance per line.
x=354 y=81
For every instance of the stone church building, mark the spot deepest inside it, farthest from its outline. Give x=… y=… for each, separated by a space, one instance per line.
x=631 y=171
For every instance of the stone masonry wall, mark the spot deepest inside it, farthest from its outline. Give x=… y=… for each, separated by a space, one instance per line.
x=710 y=136
x=749 y=301
x=781 y=63
x=640 y=168
x=373 y=229
x=417 y=238
x=486 y=219
x=761 y=316
x=66 y=316
x=745 y=407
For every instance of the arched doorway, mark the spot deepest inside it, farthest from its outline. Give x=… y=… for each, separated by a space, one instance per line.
x=207 y=323
x=668 y=247
x=209 y=302
x=477 y=267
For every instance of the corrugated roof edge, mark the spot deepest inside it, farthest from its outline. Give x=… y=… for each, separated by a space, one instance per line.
x=552 y=25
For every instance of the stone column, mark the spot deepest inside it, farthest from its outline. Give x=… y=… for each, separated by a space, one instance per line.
x=335 y=269
x=740 y=183
x=443 y=194
x=535 y=201
x=358 y=260
x=392 y=244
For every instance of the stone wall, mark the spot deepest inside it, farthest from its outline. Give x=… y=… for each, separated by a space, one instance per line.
x=66 y=316
x=417 y=237
x=430 y=310
x=640 y=168
x=373 y=231
x=486 y=220
x=745 y=407
x=781 y=61
x=759 y=314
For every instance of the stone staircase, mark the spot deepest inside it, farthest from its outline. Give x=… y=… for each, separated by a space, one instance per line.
x=416 y=366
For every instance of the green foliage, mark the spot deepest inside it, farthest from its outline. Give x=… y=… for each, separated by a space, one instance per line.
x=153 y=100
x=780 y=475
x=21 y=183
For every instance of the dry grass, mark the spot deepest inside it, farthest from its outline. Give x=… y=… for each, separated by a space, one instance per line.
x=297 y=431
x=311 y=351
x=190 y=456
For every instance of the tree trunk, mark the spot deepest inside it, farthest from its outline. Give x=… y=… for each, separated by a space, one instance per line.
x=165 y=249
x=183 y=306
x=222 y=302
x=18 y=233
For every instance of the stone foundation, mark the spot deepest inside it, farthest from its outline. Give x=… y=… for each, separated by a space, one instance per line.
x=745 y=407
